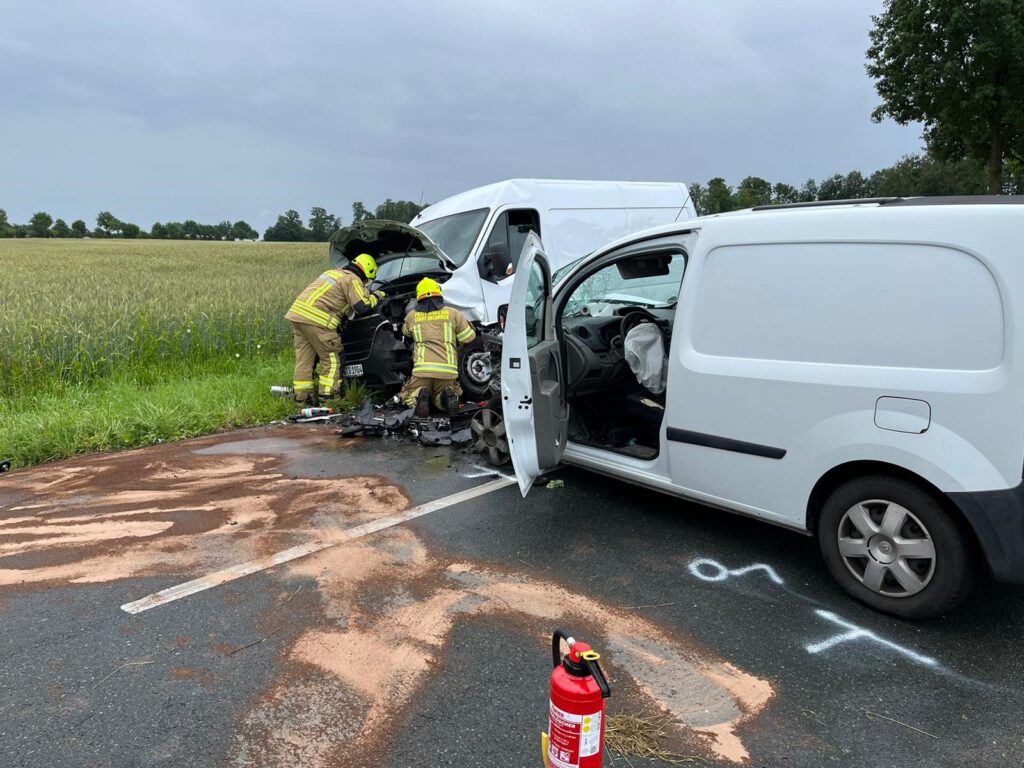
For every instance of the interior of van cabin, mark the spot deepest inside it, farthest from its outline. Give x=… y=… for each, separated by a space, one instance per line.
x=615 y=326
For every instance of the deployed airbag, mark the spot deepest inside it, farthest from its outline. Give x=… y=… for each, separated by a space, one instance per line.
x=644 y=348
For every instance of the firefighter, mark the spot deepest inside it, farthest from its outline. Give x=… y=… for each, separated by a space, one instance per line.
x=316 y=316
x=436 y=331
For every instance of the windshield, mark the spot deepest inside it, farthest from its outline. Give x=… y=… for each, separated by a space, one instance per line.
x=613 y=285
x=560 y=273
x=456 y=234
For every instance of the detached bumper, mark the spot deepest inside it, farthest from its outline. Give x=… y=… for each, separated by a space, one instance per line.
x=997 y=518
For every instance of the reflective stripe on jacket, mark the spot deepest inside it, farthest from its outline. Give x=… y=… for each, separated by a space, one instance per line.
x=333 y=295
x=437 y=335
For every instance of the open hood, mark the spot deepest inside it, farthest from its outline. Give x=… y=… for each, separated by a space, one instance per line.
x=400 y=250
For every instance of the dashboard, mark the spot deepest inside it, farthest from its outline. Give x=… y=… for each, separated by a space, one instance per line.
x=595 y=357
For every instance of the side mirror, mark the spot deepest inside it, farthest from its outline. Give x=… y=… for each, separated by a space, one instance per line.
x=494 y=262
x=502 y=315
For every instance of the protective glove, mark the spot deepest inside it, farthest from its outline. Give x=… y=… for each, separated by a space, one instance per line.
x=379 y=294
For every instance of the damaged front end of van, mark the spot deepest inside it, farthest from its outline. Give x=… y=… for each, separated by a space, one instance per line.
x=373 y=348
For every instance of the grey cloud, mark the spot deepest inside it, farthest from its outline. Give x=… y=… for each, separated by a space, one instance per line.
x=229 y=110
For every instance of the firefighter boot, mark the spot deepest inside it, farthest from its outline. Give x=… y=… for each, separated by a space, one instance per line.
x=450 y=400
x=423 y=403
x=307 y=398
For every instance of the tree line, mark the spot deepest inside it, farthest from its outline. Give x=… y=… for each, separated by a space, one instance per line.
x=321 y=224
x=912 y=176
x=289 y=227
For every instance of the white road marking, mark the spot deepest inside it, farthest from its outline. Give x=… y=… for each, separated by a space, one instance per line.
x=855 y=633
x=254 y=566
x=482 y=471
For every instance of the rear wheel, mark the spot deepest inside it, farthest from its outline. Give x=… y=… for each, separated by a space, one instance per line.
x=891 y=545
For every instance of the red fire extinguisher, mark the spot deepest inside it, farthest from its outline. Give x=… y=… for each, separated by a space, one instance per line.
x=575 y=737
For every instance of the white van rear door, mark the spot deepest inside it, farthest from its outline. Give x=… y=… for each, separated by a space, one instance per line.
x=536 y=415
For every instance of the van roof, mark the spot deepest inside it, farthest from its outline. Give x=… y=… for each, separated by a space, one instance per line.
x=887 y=201
x=560 y=193
x=751 y=214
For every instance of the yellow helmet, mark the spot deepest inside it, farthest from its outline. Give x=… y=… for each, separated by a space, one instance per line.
x=367 y=264
x=426 y=288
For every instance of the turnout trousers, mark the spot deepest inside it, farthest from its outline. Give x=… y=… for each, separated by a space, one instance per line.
x=436 y=387
x=313 y=342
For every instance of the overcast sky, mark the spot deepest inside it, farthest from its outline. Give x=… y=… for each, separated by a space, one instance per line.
x=175 y=109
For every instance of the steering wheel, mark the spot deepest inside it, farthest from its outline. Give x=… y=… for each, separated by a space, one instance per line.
x=635 y=317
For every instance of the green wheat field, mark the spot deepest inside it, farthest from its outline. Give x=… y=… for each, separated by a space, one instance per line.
x=109 y=344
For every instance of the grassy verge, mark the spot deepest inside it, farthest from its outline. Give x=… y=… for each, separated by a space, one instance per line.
x=130 y=409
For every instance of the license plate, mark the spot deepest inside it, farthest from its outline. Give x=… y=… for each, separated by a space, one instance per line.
x=353 y=370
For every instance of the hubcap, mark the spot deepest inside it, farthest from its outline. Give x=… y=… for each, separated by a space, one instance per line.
x=886 y=548
x=478 y=367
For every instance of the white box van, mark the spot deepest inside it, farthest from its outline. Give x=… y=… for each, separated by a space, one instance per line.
x=471 y=241
x=854 y=371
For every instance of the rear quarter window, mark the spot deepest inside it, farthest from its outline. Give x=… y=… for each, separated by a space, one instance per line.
x=870 y=304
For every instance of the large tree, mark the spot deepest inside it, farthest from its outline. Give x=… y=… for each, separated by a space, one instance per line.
x=107 y=224
x=60 y=228
x=40 y=224
x=958 y=67
x=79 y=228
x=322 y=224
x=398 y=210
x=288 y=228
x=241 y=230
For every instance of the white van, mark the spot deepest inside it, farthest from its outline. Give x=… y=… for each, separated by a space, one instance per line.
x=471 y=242
x=853 y=371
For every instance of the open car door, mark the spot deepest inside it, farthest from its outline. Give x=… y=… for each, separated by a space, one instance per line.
x=536 y=415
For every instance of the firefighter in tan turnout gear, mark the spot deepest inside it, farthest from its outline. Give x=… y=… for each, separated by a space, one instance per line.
x=436 y=331
x=316 y=316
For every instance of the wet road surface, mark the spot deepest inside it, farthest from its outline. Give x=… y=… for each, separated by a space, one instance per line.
x=426 y=642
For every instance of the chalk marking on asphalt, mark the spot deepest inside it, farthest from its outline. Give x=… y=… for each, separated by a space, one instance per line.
x=855 y=633
x=721 y=573
x=217 y=578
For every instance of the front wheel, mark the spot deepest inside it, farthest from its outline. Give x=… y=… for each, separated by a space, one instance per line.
x=892 y=546
x=475 y=370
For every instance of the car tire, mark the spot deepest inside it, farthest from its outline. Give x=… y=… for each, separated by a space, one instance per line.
x=893 y=546
x=475 y=372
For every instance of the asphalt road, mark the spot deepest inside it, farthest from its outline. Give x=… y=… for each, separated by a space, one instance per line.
x=426 y=643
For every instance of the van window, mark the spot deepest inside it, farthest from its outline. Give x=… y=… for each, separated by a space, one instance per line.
x=510 y=230
x=892 y=305
x=456 y=234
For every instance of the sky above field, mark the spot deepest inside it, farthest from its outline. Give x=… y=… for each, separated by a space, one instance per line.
x=175 y=109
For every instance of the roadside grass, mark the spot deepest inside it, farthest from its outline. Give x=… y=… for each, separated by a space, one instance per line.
x=118 y=412
x=111 y=344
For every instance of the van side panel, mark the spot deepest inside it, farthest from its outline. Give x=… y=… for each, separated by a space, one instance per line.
x=885 y=305
x=790 y=345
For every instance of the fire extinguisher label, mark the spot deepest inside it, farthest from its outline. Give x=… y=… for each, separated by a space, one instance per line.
x=590 y=735
x=572 y=737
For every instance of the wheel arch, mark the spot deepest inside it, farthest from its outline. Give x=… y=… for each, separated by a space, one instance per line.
x=851 y=470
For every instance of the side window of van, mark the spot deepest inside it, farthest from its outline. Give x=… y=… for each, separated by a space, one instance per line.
x=508 y=235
